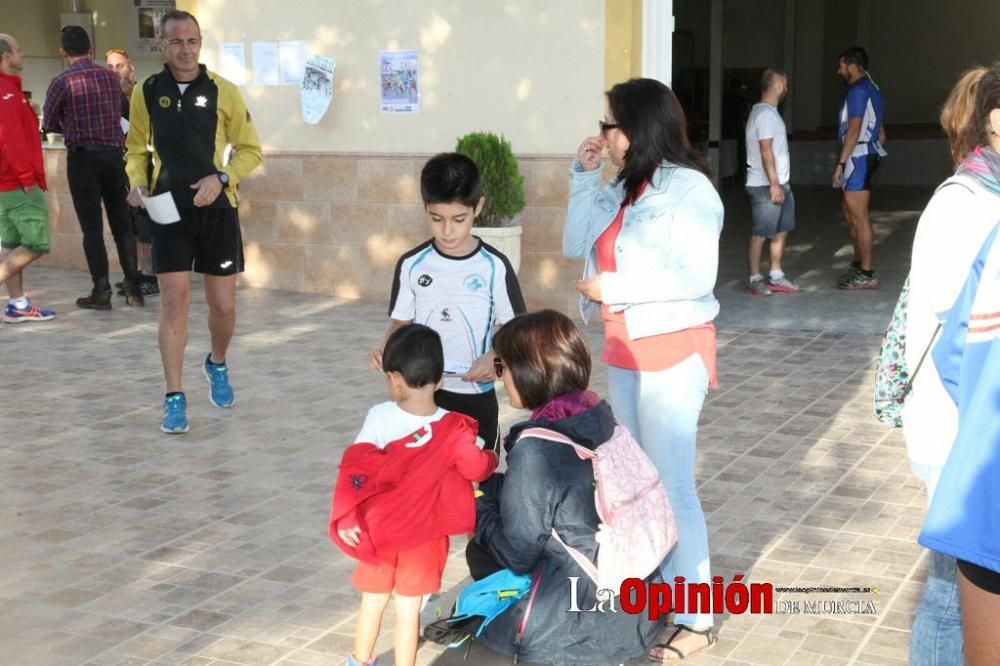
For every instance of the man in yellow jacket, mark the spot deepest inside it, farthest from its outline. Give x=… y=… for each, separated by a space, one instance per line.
x=189 y=116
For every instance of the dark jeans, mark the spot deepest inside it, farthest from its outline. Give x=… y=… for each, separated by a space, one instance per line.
x=96 y=174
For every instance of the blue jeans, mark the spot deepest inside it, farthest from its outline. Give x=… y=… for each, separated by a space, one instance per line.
x=936 y=636
x=661 y=409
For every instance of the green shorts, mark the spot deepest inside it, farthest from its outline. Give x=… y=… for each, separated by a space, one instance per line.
x=24 y=221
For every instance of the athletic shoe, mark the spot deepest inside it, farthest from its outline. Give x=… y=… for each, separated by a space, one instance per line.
x=757 y=288
x=148 y=285
x=220 y=393
x=859 y=281
x=782 y=284
x=14 y=315
x=175 y=415
x=849 y=275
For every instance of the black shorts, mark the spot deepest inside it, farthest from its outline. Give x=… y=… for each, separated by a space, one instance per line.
x=981 y=577
x=481 y=406
x=207 y=240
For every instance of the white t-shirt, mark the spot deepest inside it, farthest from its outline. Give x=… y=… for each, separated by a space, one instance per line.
x=386 y=422
x=461 y=298
x=766 y=123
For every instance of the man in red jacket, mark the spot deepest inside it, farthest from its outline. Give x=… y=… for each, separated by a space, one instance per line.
x=24 y=217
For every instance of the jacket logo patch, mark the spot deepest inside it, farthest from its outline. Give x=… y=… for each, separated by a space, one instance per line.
x=164 y=102
x=8 y=96
x=445 y=315
x=358 y=480
x=425 y=280
x=201 y=101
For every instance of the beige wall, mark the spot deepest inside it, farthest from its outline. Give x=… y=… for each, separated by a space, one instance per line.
x=337 y=224
x=533 y=71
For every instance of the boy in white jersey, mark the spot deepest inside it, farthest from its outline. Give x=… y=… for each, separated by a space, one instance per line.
x=460 y=287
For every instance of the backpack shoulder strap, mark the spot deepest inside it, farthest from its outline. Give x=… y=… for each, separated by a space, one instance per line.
x=553 y=436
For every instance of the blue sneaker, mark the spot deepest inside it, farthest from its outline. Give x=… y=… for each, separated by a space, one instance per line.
x=175 y=415
x=221 y=393
x=14 y=315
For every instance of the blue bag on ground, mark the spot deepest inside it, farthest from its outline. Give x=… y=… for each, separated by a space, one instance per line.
x=491 y=596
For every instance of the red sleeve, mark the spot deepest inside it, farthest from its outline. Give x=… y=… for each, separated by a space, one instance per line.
x=14 y=146
x=473 y=463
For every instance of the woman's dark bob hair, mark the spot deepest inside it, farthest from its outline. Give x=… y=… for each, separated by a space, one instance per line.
x=652 y=119
x=544 y=354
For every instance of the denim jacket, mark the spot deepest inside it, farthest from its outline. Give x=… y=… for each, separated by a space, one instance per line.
x=667 y=253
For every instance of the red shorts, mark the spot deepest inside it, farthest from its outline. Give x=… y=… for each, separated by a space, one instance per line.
x=412 y=572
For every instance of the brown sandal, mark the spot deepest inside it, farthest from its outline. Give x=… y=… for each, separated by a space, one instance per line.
x=666 y=645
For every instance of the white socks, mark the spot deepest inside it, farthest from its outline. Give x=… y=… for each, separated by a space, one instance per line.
x=20 y=303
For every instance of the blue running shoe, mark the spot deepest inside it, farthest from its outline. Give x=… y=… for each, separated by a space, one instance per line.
x=13 y=315
x=175 y=415
x=221 y=393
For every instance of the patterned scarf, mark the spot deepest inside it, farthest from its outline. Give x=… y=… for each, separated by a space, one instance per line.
x=982 y=164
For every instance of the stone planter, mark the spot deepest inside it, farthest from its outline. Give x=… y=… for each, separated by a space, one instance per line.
x=505 y=239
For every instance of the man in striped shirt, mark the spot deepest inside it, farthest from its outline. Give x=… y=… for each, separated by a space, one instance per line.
x=84 y=102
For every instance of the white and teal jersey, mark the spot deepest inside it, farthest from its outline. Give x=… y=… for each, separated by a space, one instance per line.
x=461 y=298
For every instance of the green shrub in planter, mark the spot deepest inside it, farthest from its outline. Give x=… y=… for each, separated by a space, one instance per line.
x=503 y=185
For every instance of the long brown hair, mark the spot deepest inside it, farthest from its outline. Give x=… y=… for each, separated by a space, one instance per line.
x=959 y=117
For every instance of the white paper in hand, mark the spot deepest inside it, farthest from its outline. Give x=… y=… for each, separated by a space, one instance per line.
x=161 y=208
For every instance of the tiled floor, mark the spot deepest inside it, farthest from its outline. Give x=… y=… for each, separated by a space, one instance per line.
x=120 y=545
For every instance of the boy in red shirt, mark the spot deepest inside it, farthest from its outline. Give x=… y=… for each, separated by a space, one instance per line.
x=403 y=489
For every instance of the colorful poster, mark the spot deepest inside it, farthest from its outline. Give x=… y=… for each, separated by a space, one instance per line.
x=146 y=15
x=400 y=84
x=317 y=87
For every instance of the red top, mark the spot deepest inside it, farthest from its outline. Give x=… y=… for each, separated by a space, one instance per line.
x=84 y=102
x=655 y=352
x=21 y=162
x=415 y=490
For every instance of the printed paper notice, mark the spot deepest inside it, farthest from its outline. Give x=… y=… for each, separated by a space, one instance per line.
x=317 y=87
x=265 y=64
x=399 y=81
x=233 y=62
x=162 y=208
x=292 y=62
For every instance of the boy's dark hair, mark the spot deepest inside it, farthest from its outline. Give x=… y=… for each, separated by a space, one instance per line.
x=451 y=178
x=415 y=352
x=75 y=41
x=855 y=56
x=177 y=15
x=544 y=354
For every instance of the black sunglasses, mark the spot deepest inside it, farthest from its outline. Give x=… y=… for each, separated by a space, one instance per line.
x=605 y=126
x=498 y=367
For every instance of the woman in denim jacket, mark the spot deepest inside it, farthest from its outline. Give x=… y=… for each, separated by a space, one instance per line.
x=651 y=244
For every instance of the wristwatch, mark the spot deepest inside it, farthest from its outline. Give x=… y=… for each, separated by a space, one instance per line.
x=223 y=178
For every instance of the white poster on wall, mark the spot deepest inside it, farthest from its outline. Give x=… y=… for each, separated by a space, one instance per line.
x=146 y=15
x=265 y=63
x=399 y=80
x=292 y=62
x=233 y=62
x=317 y=87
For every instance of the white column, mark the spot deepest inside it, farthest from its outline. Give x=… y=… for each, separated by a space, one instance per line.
x=715 y=86
x=657 y=39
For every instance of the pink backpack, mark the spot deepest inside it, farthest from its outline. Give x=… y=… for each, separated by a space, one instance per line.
x=637 y=524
